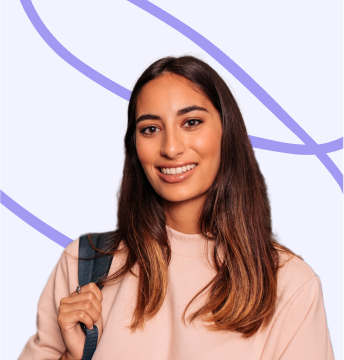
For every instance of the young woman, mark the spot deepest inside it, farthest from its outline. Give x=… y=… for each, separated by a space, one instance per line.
x=196 y=271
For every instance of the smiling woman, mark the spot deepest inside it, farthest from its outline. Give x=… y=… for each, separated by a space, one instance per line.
x=196 y=272
x=178 y=126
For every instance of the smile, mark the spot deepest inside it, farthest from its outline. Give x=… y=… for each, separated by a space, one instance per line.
x=177 y=173
x=177 y=170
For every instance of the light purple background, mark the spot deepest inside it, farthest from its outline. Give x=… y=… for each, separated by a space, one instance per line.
x=62 y=134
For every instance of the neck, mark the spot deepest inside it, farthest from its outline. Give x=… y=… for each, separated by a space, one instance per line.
x=183 y=216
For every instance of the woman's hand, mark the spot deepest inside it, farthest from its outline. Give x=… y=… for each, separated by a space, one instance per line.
x=84 y=307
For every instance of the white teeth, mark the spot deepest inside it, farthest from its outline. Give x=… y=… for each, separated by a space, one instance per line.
x=178 y=170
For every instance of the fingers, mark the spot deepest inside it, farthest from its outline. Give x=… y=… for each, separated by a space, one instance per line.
x=67 y=320
x=91 y=287
x=79 y=307
x=87 y=306
x=84 y=307
x=88 y=297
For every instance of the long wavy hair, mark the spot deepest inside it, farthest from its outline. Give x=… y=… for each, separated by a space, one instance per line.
x=242 y=295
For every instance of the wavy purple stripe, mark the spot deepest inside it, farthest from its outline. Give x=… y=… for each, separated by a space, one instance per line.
x=245 y=80
x=124 y=93
x=297 y=149
x=34 y=221
x=310 y=147
x=66 y=55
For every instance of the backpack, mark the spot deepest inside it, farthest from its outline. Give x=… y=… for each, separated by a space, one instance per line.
x=92 y=271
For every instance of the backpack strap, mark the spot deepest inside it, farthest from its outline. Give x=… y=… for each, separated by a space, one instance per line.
x=92 y=270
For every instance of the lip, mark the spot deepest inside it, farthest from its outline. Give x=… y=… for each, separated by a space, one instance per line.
x=171 y=179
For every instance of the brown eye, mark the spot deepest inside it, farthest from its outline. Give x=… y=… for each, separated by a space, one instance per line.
x=149 y=130
x=192 y=123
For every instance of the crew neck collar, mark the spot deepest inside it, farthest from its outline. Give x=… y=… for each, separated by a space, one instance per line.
x=187 y=244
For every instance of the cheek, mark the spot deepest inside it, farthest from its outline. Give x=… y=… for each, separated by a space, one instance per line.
x=208 y=146
x=146 y=152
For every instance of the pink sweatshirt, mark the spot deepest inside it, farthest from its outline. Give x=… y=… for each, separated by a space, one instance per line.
x=298 y=330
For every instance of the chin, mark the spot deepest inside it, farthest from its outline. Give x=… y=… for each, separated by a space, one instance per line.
x=178 y=195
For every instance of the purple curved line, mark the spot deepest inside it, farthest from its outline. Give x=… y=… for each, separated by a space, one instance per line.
x=245 y=80
x=124 y=93
x=311 y=148
x=296 y=149
x=67 y=56
x=34 y=221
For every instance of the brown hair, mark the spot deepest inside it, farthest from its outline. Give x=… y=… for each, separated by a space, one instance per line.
x=243 y=293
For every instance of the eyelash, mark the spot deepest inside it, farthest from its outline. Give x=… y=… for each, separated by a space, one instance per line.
x=153 y=126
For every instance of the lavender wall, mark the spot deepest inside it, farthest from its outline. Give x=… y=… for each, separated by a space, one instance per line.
x=67 y=70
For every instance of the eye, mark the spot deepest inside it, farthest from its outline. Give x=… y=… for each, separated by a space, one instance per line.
x=149 y=130
x=192 y=123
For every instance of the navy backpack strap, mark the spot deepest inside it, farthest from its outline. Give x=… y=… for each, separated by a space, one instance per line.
x=92 y=271
x=95 y=269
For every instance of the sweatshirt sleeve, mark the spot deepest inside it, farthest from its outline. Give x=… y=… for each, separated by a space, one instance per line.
x=47 y=343
x=300 y=331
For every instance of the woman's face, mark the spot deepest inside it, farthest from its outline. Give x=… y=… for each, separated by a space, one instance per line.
x=178 y=138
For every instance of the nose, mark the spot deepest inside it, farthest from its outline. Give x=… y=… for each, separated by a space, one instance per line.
x=172 y=144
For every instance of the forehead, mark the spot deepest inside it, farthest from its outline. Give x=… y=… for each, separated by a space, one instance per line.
x=169 y=93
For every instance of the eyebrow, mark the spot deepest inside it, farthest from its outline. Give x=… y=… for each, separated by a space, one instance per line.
x=179 y=113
